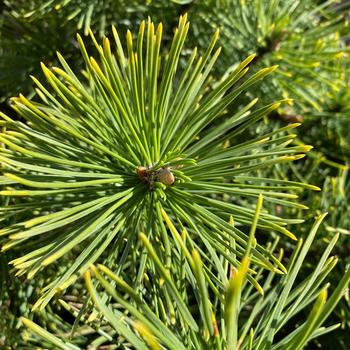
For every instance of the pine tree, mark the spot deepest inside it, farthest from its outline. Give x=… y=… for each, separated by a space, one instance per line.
x=154 y=190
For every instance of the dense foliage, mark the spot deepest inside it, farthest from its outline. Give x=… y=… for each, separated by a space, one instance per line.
x=158 y=190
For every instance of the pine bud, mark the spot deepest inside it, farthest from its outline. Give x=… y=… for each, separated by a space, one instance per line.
x=165 y=176
x=141 y=171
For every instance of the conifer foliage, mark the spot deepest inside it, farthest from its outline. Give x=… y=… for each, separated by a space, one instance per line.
x=103 y=160
x=147 y=199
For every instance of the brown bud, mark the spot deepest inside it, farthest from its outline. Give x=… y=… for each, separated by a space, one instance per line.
x=165 y=176
x=141 y=171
